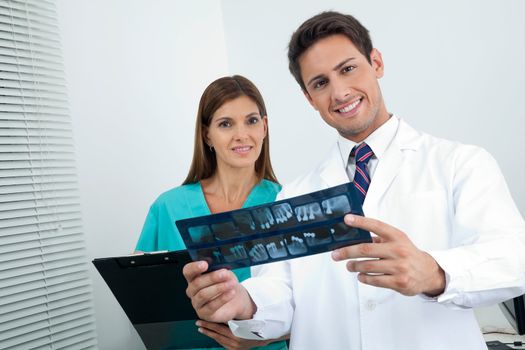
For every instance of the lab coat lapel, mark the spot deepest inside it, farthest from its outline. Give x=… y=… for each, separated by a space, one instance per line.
x=385 y=173
x=406 y=138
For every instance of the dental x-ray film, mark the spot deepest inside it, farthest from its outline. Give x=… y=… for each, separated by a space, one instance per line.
x=286 y=229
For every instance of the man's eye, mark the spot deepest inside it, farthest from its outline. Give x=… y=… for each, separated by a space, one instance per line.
x=319 y=84
x=348 y=69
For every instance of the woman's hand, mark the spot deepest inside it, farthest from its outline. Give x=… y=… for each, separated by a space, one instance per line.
x=222 y=334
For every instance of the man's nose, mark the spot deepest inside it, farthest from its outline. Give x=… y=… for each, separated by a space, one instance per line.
x=341 y=91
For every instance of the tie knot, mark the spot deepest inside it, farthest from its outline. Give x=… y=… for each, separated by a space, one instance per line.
x=362 y=153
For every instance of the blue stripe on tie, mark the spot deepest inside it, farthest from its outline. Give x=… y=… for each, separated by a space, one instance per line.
x=362 y=153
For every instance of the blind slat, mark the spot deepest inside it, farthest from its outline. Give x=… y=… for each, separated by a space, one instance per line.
x=34 y=78
x=25 y=272
x=38 y=203
x=40 y=229
x=39 y=275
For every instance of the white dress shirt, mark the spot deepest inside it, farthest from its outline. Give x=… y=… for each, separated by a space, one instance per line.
x=452 y=201
x=378 y=141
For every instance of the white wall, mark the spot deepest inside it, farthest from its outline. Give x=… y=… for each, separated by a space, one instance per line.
x=136 y=70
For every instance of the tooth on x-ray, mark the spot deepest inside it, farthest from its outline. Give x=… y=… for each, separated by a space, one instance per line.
x=308 y=212
x=296 y=245
x=320 y=236
x=276 y=251
x=282 y=212
x=258 y=253
x=210 y=255
x=244 y=221
x=231 y=253
x=343 y=232
x=238 y=251
x=264 y=217
x=336 y=206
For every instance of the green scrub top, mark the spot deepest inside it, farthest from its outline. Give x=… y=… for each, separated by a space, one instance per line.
x=187 y=201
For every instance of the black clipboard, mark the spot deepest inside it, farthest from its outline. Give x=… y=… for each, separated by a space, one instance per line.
x=152 y=292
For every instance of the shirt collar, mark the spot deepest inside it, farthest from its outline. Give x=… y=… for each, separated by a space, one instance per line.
x=378 y=140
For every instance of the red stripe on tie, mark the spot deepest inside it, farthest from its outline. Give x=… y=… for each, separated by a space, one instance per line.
x=365 y=177
x=365 y=156
x=359 y=147
x=360 y=188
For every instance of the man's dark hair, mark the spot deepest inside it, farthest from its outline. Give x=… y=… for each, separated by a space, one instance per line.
x=321 y=26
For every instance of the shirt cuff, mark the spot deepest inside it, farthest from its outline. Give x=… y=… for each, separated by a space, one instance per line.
x=247 y=329
x=272 y=318
x=456 y=265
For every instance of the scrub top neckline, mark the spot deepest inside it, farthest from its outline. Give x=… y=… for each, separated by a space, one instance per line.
x=247 y=203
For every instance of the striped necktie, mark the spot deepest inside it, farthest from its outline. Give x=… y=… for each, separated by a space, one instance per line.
x=362 y=154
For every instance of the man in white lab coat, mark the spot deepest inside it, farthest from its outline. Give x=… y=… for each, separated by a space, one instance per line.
x=449 y=237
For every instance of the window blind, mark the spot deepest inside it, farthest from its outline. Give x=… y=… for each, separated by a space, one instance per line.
x=45 y=289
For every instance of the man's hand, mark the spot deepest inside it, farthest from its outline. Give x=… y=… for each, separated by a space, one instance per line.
x=223 y=335
x=217 y=296
x=396 y=262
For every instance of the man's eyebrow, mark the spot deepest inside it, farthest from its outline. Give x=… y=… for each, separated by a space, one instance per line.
x=336 y=68
x=314 y=79
x=341 y=64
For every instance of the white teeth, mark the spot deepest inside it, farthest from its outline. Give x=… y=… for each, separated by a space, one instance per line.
x=349 y=107
x=242 y=149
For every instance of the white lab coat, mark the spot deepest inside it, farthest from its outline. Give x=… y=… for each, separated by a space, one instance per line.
x=452 y=201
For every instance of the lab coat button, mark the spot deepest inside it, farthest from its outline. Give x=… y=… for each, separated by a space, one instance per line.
x=370 y=305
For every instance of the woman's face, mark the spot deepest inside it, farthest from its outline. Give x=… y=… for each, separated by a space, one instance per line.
x=236 y=133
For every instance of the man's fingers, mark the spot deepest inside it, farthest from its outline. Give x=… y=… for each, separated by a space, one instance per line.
x=194 y=270
x=226 y=342
x=402 y=284
x=381 y=229
x=209 y=293
x=377 y=239
x=204 y=281
x=363 y=250
x=219 y=328
x=377 y=266
x=214 y=308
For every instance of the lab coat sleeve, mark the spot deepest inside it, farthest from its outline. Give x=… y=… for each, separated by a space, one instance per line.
x=270 y=290
x=486 y=261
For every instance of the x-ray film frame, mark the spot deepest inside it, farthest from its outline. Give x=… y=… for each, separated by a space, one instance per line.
x=212 y=245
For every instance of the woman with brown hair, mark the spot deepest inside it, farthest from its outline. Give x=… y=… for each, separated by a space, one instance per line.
x=230 y=169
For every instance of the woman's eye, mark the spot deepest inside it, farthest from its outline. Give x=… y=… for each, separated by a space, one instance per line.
x=224 y=124
x=253 y=120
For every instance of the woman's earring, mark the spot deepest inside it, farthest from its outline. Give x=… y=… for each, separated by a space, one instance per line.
x=211 y=148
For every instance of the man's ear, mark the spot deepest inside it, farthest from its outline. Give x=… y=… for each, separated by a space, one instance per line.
x=377 y=63
x=309 y=98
